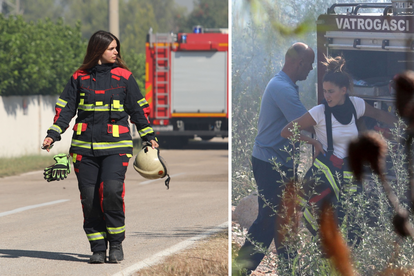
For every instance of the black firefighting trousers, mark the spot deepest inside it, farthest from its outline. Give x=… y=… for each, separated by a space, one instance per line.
x=329 y=189
x=102 y=190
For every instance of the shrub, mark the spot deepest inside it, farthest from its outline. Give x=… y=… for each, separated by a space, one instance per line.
x=38 y=58
x=370 y=214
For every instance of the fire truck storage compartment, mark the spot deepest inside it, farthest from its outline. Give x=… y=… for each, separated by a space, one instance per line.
x=199 y=82
x=373 y=71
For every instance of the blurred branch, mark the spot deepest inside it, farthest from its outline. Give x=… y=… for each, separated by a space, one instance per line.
x=257 y=8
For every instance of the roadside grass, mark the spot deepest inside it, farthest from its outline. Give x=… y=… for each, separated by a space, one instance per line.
x=208 y=257
x=19 y=165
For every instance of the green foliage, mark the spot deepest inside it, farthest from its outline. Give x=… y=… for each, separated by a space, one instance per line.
x=93 y=15
x=136 y=63
x=38 y=58
x=43 y=46
x=369 y=213
x=137 y=19
x=209 y=14
x=33 y=10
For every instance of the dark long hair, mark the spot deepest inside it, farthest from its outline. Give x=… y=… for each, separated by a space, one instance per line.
x=98 y=43
x=336 y=72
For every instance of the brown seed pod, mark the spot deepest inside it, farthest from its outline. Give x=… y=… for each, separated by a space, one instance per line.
x=404 y=98
x=399 y=221
x=333 y=243
x=369 y=147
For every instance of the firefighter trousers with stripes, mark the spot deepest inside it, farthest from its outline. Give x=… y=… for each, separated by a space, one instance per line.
x=328 y=189
x=102 y=190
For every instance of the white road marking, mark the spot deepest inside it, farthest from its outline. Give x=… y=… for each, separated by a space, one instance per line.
x=160 y=179
x=169 y=251
x=18 y=210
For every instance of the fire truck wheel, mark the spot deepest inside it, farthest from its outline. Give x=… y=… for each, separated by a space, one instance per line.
x=173 y=142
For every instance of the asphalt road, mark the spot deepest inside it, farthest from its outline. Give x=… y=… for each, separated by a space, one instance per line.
x=41 y=223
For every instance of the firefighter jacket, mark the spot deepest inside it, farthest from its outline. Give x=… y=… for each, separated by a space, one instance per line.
x=103 y=97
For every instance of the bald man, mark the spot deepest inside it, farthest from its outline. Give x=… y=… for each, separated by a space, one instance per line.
x=280 y=105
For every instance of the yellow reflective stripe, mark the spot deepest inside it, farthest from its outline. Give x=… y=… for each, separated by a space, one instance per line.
x=79 y=129
x=103 y=145
x=310 y=219
x=142 y=102
x=348 y=174
x=111 y=145
x=74 y=157
x=116 y=230
x=119 y=108
x=99 y=103
x=80 y=144
x=61 y=103
x=115 y=130
x=56 y=128
x=82 y=102
x=328 y=174
x=129 y=155
x=145 y=131
x=92 y=107
x=82 y=94
x=96 y=236
x=86 y=107
x=351 y=188
x=116 y=104
x=303 y=202
x=102 y=108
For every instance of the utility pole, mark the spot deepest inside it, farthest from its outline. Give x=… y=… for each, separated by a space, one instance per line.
x=114 y=17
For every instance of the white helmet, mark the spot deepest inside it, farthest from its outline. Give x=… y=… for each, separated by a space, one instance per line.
x=151 y=165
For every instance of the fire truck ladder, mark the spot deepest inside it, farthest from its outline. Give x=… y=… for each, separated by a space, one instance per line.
x=162 y=54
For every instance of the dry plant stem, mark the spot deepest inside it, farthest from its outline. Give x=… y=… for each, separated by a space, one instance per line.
x=410 y=165
x=396 y=205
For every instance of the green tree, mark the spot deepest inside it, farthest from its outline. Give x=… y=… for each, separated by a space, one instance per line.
x=168 y=15
x=209 y=14
x=38 y=58
x=93 y=14
x=41 y=9
x=136 y=20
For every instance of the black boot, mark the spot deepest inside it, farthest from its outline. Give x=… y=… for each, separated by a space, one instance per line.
x=98 y=257
x=115 y=253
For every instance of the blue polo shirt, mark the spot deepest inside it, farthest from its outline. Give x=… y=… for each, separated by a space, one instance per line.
x=280 y=105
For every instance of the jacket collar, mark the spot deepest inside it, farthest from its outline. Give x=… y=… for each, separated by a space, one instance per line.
x=102 y=68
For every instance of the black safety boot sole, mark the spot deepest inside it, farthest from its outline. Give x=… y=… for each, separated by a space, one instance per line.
x=116 y=254
x=98 y=258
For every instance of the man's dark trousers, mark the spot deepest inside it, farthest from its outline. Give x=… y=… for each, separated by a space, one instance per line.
x=265 y=227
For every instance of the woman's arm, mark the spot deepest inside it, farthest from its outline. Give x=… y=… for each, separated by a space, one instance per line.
x=304 y=122
x=380 y=115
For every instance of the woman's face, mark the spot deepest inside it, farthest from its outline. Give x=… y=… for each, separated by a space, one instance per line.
x=110 y=54
x=333 y=94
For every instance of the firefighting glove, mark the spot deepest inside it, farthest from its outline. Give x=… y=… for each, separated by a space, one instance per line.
x=58 y=171
x=47 y=174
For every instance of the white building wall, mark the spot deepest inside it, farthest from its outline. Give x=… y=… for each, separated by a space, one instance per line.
x=24 y=121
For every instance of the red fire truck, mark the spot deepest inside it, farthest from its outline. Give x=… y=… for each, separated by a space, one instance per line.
x=187 y=84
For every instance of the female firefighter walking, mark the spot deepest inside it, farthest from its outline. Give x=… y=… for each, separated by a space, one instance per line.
x=102 y=92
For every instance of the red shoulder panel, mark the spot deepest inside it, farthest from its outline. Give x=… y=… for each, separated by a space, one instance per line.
x=79 y=73
x=121 y=72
